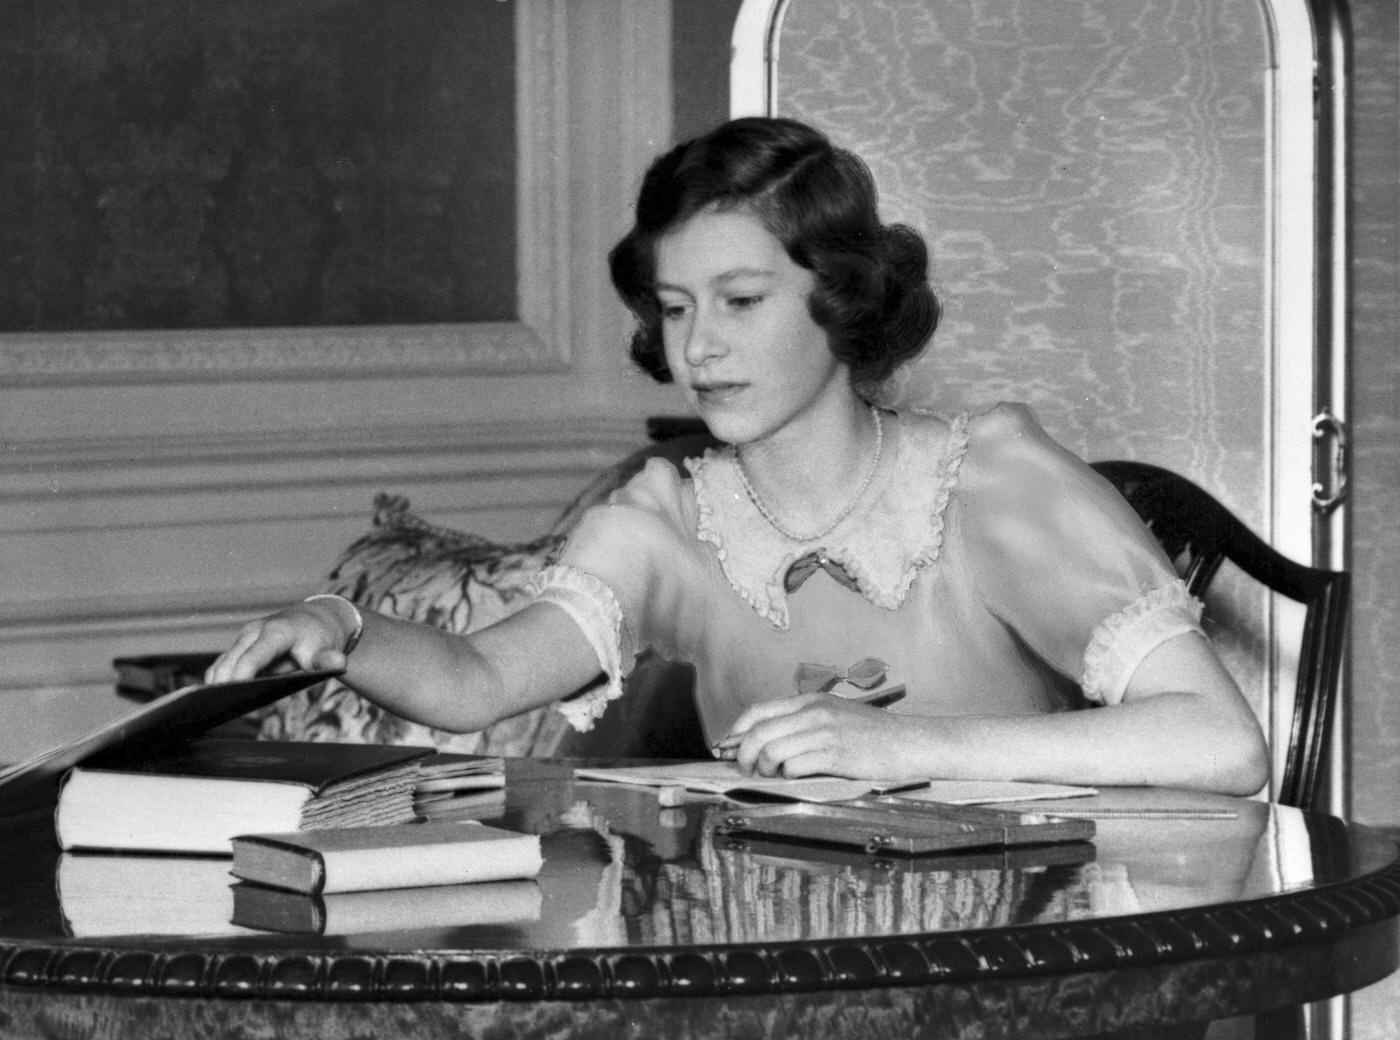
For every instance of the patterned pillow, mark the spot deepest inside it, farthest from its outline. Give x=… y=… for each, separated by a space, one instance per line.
x=407 y=568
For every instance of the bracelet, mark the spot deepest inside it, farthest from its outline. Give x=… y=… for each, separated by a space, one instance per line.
x=354 y=638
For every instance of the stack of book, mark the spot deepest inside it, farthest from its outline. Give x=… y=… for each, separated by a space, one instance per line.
x=157 y=825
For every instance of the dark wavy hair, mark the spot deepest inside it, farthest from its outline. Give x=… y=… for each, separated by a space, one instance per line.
x=871 y=292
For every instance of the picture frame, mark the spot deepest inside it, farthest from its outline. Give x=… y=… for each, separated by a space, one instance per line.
x=531 y=340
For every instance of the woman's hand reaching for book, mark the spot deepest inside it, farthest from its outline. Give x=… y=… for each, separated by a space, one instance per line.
x=817 y=733
x=313 y=635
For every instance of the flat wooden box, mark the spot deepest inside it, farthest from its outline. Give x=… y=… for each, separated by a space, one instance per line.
x=891 y=824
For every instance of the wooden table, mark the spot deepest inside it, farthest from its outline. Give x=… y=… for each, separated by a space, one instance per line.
x=651 y=924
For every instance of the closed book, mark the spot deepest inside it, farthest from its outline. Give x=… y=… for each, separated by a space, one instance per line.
x=386 y=909
x=198 y=797
x=411 y=855
x=106 y=894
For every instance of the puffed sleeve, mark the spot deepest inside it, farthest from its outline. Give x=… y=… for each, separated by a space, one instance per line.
x=1061 y=558
x=610 y=578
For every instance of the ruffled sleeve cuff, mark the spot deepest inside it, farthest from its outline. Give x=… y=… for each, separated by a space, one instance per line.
x=595 y=610
x=1123 y=640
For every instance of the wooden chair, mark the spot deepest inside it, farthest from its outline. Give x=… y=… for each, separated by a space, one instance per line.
x=1199 y=534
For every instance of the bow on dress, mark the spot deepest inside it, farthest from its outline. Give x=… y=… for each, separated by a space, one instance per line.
x=808 y=565
x=865 y=674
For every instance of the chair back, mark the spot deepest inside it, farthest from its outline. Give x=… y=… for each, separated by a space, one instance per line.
x=1199 y=533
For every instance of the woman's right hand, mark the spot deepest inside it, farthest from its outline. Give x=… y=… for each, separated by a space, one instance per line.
x=312 y=635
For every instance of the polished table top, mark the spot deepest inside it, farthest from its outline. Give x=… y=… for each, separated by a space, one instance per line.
x=641 y=905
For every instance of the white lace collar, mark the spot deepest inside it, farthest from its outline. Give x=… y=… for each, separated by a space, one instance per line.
x=881 y=546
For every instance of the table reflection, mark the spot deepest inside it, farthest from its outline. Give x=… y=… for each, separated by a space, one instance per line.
x=670 y=878
x=623 y=871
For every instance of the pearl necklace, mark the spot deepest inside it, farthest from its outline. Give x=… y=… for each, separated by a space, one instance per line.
x=796 y=536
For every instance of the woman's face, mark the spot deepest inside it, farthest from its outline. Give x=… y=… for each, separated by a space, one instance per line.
x=739 y=338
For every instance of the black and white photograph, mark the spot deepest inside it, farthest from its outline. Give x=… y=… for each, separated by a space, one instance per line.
x=707 y=519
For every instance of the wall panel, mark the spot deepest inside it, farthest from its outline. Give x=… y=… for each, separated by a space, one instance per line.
x=158 y=488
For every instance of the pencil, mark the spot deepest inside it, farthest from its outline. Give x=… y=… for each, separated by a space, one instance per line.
x=881 y=698
x=878 y=699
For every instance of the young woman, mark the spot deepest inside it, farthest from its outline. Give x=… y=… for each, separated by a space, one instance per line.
x=830 y=549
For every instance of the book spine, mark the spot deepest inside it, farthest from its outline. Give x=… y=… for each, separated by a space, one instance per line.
x=283 y=864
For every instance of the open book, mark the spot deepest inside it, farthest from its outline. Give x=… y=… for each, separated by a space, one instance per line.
x=721 y=777
x=724 y=778
x=159 y=723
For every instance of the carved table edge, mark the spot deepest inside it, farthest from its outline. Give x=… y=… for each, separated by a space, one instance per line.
x=1282 y=922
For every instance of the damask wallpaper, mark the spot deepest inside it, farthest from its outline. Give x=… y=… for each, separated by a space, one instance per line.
x=1090 y=178
x=1374 y=330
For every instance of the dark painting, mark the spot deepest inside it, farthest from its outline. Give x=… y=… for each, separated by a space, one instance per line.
x=176 y=164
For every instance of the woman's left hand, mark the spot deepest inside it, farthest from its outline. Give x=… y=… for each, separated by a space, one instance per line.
x=814 y=733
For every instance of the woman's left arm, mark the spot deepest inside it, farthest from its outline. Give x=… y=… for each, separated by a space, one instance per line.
x=1182 y=722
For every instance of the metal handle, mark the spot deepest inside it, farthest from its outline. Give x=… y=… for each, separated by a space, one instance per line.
x=1326 y=425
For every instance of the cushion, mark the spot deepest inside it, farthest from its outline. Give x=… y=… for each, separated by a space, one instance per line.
x=407 y=568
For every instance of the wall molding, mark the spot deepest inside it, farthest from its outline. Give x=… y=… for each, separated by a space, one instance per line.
x=198 y=534
x=201 y=490
x=57 y=468
x=336 y=352
x=124 y=617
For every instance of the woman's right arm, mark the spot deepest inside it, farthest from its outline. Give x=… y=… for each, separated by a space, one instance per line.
x=539 y=655
x=461 y=683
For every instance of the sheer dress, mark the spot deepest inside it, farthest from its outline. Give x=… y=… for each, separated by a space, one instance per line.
x=988 y=571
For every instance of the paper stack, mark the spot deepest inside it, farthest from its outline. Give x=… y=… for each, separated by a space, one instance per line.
x=460 y=787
